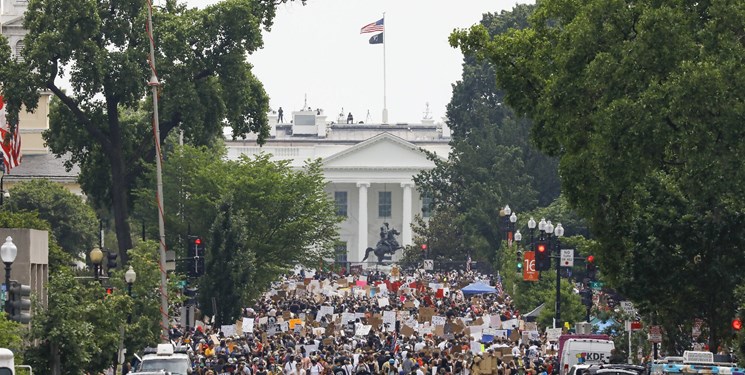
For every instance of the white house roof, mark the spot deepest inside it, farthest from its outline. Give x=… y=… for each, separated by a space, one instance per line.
x=384 y=151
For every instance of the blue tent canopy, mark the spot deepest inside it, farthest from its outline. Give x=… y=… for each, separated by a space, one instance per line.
x=478 y=288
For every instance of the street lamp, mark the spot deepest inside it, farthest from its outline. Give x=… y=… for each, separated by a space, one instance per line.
x=8 y=253
x=531 y=226
x=559 y=232
x=130 y=276
x=96 y=256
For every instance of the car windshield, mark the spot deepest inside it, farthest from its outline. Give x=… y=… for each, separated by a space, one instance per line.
x=173 y=365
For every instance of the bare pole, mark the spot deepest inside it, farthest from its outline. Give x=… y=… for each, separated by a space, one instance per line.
x=159 y=174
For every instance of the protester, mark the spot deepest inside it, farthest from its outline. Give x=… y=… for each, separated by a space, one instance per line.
x=393 y=323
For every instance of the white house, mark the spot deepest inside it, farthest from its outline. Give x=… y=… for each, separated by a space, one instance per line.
x=369 y=168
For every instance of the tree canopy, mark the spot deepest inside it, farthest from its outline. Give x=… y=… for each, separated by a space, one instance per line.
x=72 y=222
x=259 y=218
x=492 y=162
x=102 y=49
x=642 y=102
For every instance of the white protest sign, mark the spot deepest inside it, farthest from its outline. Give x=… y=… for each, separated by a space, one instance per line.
x=263 y=320
x=438 y=320
x=284 y=326
x=362 y=330
x=475 y=347
x=500 y=333
x=552 y=334
x=248 y=325
x=389 y=320
x=347 y=317
x=383 y=302
x=228 y=330
x=323 y=311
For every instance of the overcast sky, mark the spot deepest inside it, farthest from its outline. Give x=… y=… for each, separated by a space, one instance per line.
x=317 y=50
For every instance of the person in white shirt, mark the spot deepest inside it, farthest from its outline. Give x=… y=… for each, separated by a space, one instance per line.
x=290 y=367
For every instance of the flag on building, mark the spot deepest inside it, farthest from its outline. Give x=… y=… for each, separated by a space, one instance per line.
x=376 y=39
x=10 y=144
x=374 y=27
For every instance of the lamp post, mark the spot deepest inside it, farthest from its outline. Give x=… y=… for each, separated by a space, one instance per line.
x=513 y=220
x=8 y=252
x=559 y=232
x=96 y=256
x=531 y=226
x=130 y=276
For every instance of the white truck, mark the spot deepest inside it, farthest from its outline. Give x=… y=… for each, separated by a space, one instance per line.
x=164 y=359
x=584 y=351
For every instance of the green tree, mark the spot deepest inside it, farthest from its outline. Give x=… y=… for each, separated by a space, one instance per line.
x=271 y=219
x=103 y=49
x=81 y=322
x=73 y=223
x=11 y=337
x=491 y=163
x=259 y=218
x=641 y=102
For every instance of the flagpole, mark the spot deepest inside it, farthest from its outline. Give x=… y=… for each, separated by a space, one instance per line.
x=385 y=107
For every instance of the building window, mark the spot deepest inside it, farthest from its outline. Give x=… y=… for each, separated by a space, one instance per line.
x=384 y=204
x=426 y=205
x=340 y=253
x=341 y=203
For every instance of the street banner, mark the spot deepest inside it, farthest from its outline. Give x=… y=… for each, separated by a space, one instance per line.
x=529 y=271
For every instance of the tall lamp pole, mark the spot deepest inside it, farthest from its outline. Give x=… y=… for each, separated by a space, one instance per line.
x=531 y=226
x=130 y=276
x=8 y=254
x=559 y=232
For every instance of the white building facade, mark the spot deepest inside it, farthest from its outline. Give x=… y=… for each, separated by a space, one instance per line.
x=369 y=169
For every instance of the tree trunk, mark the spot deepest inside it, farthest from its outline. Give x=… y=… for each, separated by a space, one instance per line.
x=120 y=203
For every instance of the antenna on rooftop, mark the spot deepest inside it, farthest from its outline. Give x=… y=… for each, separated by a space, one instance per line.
x=368 y=118
x=305 y=102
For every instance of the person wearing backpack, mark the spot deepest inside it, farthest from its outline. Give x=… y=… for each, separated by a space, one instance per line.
x=363 y=368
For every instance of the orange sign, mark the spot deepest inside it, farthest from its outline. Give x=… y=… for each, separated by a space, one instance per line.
x=529 y=271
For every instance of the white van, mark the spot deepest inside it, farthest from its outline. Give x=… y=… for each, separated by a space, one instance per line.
x=7 y=365
x=585 y=352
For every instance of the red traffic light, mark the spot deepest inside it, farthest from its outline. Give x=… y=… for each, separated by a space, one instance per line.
x=736 y=324
x=109 y=291
x=424 y=246
x=198 y=241
x=590 y=259
x=541 y=248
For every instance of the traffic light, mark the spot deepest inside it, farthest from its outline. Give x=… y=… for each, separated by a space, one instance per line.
x=111 y=259
x=424 y=250
x=519 y=261
x=20 y=302
x=591 y=268
x=586 y=295
x=542 y=257
x=195 y=252
x=190 y=294
x=109 y=291
x=737 y=324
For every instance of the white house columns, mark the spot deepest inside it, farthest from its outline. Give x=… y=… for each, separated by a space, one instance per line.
x=361 y=220
x=406 y=210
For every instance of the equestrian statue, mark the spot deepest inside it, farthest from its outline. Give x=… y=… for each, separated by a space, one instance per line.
x=387 y=244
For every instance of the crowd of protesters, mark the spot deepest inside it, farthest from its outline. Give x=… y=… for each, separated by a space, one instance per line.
x=328 y=345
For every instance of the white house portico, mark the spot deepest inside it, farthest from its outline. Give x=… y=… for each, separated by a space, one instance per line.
x=369 y=169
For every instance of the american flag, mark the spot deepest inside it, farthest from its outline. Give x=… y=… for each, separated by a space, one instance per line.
x=373 y=27
x=468 y=263
x=499 y=287
x=10 y=145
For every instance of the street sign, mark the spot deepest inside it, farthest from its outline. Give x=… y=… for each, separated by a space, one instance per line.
x=628 y=307
x=529 y=271
x=597 y=285
x=567 y=257
x=636 y=325
x=429 y=264
x=655 y=334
